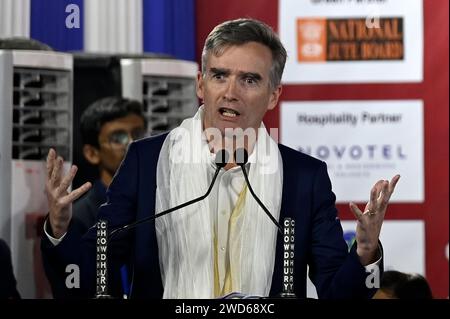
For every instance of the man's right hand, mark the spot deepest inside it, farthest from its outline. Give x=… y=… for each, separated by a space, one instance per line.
x=58 y=197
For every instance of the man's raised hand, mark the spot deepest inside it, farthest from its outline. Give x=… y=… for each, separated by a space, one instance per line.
x=59 y=198
x=369 y=222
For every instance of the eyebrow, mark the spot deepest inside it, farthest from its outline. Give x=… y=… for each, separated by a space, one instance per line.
x=253 y=75
x=219 y=71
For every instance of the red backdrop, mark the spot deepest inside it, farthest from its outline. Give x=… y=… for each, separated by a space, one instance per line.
x=434 y=91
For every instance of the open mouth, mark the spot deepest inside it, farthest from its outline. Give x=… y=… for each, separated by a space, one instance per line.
x=228 y=112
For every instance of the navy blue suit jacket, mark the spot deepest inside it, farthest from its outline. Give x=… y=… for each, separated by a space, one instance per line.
x=307 y=197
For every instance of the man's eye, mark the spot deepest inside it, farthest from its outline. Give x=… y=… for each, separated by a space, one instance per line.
x=250 y=80
x=218 y=76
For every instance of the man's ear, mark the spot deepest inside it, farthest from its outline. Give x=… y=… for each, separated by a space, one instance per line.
x=200 y=85
x=91 y=154
x=274 y=97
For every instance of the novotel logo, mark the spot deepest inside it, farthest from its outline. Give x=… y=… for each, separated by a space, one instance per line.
x=355 y=152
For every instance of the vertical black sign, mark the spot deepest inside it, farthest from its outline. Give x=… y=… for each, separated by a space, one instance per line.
x=288 y=258
x=102 y=263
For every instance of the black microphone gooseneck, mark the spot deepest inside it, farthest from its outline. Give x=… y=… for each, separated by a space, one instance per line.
x=221 y=161
x=241 y=158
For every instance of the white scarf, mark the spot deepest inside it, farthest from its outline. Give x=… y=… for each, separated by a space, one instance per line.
x=185 y=237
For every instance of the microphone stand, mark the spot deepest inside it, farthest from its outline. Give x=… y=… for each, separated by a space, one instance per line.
x=241 y=158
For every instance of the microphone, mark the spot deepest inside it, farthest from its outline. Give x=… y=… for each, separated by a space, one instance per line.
x=241 y=158
x=103 y=238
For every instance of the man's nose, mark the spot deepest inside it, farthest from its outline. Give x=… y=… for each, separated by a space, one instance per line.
x=231 y=92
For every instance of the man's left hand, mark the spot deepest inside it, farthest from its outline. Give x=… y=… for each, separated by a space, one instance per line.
x=369 y=222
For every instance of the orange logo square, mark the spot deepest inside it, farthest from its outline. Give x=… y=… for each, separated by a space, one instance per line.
x=311 y=40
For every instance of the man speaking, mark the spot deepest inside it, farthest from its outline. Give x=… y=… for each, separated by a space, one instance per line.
x=226 y=242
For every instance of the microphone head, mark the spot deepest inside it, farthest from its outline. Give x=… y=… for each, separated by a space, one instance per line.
x=222 y=158
x=241 y=156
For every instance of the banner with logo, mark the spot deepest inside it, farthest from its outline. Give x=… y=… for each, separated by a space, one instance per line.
x=352 y=41
x=361 y=142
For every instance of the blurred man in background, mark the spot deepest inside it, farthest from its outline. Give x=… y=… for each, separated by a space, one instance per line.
x=107 y=127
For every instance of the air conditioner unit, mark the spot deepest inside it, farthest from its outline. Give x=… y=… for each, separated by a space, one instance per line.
x=167 y=88
x=36 y=107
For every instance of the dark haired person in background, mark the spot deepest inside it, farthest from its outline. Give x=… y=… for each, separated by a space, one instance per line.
x=107 y=127
x=8 y=288
x=399 y=285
